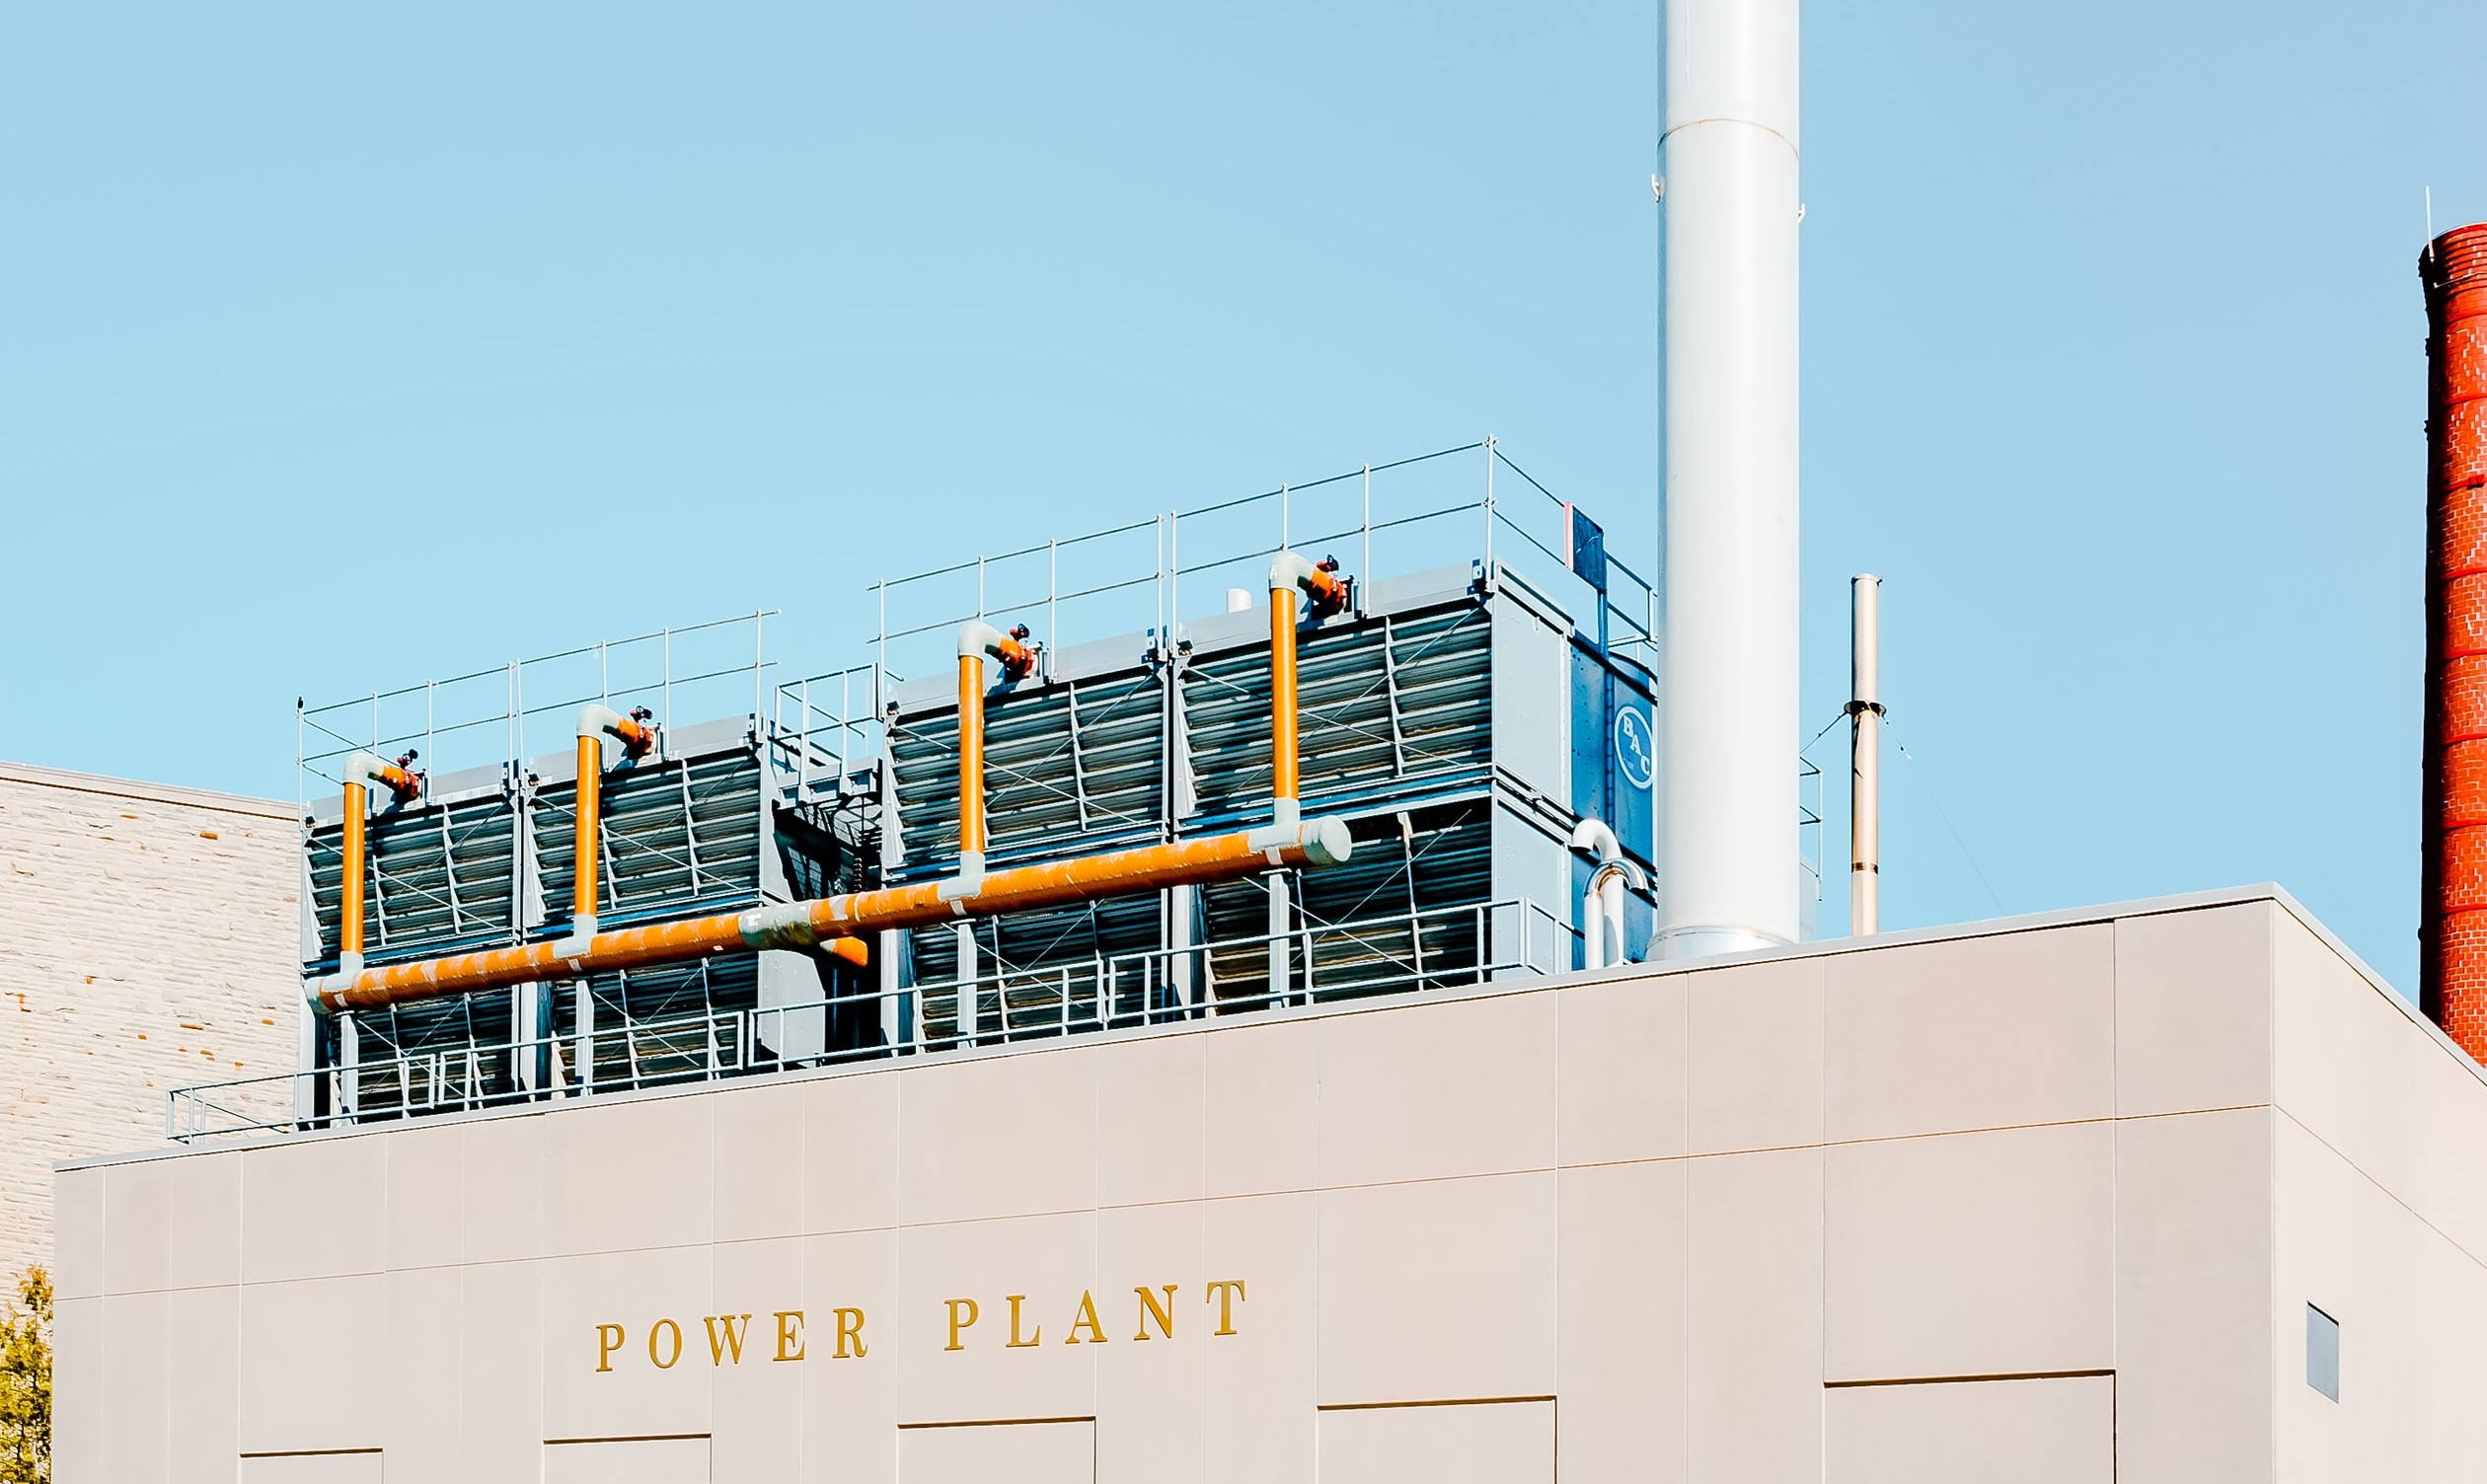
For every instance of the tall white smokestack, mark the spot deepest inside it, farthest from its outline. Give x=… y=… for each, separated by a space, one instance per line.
x=1727 y=842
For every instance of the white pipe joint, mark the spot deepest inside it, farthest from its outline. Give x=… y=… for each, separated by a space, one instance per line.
x=1595 y=837
x=601 y=722
x=782 y=925
x=978 y=640
x=364 y=767
x=1289 y=570
x=1324 y=841
x=970 y=880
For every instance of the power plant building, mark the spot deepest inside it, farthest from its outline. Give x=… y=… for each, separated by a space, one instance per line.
x=1323 y=985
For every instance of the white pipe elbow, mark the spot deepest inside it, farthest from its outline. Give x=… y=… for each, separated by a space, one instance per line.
x=1595 y=837
x=364 y=767
x=978 y=638
x=1288 y=571
x=600 y=721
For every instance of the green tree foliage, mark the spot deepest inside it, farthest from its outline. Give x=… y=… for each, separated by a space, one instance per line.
x=25 y=1381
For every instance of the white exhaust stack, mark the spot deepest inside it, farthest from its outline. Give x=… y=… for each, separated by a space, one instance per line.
x=1727 y=841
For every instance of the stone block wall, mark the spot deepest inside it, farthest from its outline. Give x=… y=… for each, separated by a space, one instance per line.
x=149 y=938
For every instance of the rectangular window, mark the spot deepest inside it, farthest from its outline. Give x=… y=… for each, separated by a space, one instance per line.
x=2323 y=1351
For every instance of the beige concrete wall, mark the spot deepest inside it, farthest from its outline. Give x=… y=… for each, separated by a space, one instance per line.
x=1991 y=1205
x=2380 y=1204
x=148 y=938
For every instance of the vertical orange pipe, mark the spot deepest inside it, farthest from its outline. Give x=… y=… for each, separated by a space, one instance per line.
x=971 y=784
x=585 y=838
x=1285 y=763
x=350 y=882
x=2453 y=919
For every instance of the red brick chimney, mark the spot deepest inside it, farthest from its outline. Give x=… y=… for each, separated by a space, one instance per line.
x=2452 y=910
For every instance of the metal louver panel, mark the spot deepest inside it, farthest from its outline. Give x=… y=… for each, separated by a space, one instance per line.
x=438 y=880
x=678 y=833
x=1403 y=890
x=1390 y=702
x=665 y=1023
x=1021 y=960
x=1077 y=758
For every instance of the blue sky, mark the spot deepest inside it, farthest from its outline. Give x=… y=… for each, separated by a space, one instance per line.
x=340 y=349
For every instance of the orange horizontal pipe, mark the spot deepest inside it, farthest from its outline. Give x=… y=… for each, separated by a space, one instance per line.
x=835 y=924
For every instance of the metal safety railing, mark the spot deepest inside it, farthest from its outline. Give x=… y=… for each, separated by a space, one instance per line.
x=697 y=673
x=1314 y=964
x=1407 y=515
x=1325 y=963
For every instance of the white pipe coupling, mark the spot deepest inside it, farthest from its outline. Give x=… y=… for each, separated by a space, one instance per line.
x=1324 y=841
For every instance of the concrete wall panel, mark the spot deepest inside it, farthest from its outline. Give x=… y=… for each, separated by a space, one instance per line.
x=359 y=1467
x=760 y=1161
x=1970 y=1033
x=1438 y=1291
x=202 y=1333
x=642 y=1177
x=1462 y=1088
x=2313 y=1261
x=505 y=1189
x=1029 y=1452
x=173 y=1223
x=2193 y=1298
x=2061 y=1429
x=998 y=1137
x=2447 y=1366
x=2193 y=1009
x=850 y=1406
x=1047 y=1367
x=425 y=1175
x=1256 y=1420
x=850 y=1154
x=1150 y=1104
x=1154 y=1389
x=659 y=1374
x=138 y=1389
x=1491 y=1443
x=1149 y=1119
x=2342 y=1056
x=1621 y=1090
x=1971 y=1254
x=1756 y=1068
x=80 y=1372
x=500 y=1369
x=77 y=1263
x=633 y=1461
x=422 y=1372
x=1753 y=1318
x=1625 y=1233
x=317 y=1209
x=756 y=1403
x=295 y=1394
x=1261 y=1128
